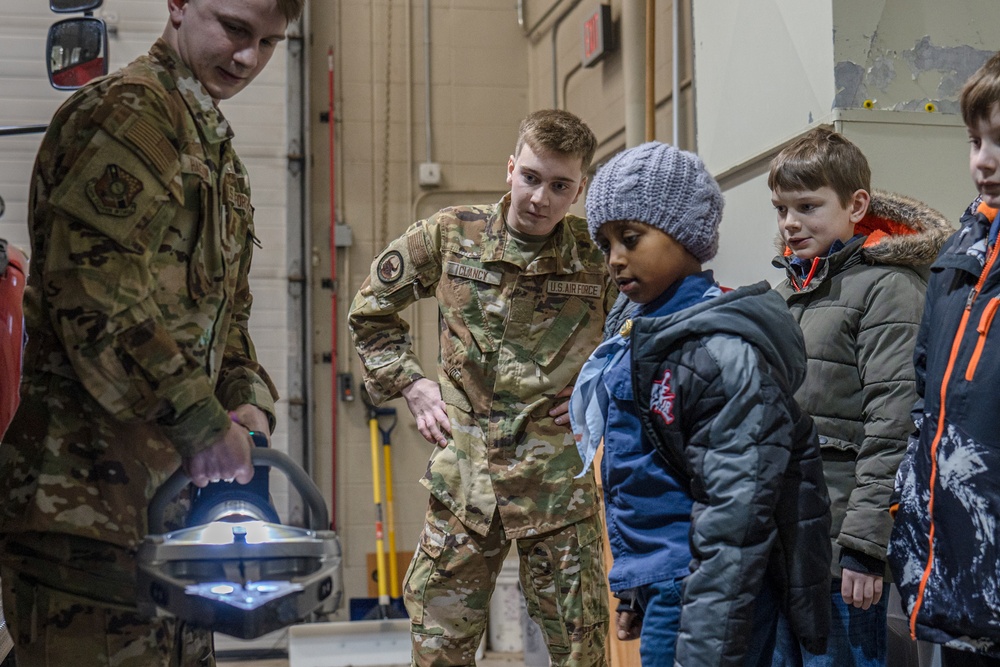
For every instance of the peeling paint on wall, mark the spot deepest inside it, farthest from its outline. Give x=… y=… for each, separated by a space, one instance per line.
x=848 y=78
x=937 y=74
x=881 y=73
x=956 y=63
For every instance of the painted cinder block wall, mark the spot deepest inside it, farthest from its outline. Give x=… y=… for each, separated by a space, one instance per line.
x=490 y=64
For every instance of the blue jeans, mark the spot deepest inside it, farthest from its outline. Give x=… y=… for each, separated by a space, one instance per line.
x=660 y=603
x=858 y=637
x=760 y=645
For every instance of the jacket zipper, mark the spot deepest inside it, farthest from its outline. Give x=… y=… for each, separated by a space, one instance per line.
x=956 y=343
x=983 y=329
x=808 y=278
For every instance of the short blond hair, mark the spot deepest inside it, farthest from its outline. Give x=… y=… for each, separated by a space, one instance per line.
x=291 y=9
x=981 y=92
x=819 y=158
x=557 y=131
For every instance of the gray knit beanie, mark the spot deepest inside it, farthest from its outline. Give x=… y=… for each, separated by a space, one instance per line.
x=661 y=186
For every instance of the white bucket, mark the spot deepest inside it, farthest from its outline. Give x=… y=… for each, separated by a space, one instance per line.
x=506 y=605
x=536 y=654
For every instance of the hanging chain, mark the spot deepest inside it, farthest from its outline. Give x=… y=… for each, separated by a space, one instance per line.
x=384 y=222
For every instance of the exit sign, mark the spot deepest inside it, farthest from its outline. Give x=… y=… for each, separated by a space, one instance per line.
x=598 y=35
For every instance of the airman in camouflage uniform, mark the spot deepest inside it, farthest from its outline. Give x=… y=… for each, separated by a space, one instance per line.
x=139 y=358
x=522 y=294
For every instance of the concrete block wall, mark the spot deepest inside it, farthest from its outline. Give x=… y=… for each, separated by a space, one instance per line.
x=489 y=67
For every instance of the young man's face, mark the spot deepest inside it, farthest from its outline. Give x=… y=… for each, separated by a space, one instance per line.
x=984 y=156
x=542 y=188
x=226 y=43
x=643 y=260
x=810 y=221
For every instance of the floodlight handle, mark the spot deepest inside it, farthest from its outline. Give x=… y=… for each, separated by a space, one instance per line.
x=319 y=517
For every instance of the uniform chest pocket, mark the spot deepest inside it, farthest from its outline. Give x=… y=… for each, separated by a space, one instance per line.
x=558 y=333
x=237 y=222
x=206 y=272
x=220 y=228
x=472 y=301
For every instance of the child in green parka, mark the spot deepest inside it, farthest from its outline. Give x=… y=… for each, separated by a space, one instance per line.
x=855 y=261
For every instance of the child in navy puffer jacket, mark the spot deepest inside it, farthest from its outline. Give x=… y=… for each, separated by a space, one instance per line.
x=714 y=494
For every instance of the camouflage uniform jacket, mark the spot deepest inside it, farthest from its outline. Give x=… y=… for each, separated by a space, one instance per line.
x=513 y=334
x=136 y=306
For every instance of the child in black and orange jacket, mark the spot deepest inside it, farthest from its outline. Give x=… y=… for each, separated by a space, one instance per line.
x=945 y=544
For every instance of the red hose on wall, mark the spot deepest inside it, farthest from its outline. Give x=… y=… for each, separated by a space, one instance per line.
x=333 y=303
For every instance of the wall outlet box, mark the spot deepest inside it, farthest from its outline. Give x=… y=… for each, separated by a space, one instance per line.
x=343 y=238
x=429 y=174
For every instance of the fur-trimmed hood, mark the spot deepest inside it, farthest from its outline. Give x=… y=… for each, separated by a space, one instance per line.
x=901 y=231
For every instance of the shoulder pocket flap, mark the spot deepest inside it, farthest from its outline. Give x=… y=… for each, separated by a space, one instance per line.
x=116 y=198
x=391 y=273
x=147 y=141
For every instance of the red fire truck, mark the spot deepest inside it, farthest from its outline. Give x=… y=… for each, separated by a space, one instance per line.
x=76 y=51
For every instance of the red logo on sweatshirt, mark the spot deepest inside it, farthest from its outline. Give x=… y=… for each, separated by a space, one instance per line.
x=662 y=401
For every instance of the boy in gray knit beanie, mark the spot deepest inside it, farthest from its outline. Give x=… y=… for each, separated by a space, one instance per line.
x=664 y=187
x=707 y=460
x=661 y=186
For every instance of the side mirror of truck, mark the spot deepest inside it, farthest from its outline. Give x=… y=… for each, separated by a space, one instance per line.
x=77 y=51
x=73 y=6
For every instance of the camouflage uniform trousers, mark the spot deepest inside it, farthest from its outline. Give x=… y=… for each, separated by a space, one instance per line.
x=61 y=612
x=451 y=578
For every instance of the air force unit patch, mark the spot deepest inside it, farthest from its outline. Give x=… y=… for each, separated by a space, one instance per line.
x=662 y=400
x=114 y=192
x=390 y=267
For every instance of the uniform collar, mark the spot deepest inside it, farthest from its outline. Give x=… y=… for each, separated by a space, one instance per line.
x=214 y=128
x=559 y=254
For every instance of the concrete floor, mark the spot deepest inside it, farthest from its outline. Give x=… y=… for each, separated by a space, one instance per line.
x=272 y=650
x=489 y=660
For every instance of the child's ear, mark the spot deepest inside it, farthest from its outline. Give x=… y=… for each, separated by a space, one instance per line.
x=858 y=205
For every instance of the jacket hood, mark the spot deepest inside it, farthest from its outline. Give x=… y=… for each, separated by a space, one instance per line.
x=901 y=231
x=754 y=313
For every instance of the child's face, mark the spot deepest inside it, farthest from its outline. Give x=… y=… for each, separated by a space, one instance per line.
x=643 y=260
x=542 y=188
x=810 y=221
x=984 y=156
